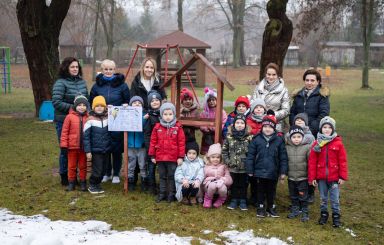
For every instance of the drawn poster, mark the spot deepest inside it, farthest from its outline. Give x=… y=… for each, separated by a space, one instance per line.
x=125 y=118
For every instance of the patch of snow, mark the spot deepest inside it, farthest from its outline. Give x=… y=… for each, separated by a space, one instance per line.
x=350 y=231
x=247 y=237
x=290 y=239
x=48 y=2
x=231 y=226
x=205 y=232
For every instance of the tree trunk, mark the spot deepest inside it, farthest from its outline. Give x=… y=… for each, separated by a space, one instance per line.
x=180 y=15
x=238 y=12
x=367 y=20
x=40 y=29
x=94 y=49
x=277 y=36
x=108 y=29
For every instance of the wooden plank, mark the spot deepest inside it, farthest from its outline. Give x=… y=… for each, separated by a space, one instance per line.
x=197 y=122
x=181 y=70
x=178 y=91
x=173 y=90
x=219 y=111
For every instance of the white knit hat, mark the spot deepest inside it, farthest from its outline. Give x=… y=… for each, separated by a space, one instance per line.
x=214 y=149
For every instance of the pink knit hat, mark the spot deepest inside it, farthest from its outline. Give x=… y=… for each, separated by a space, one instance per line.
x=214 y=149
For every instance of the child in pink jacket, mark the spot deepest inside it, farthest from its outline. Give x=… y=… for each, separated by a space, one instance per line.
x=217 y=177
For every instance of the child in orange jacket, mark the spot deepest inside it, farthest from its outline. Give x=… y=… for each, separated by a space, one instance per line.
x=72 y=142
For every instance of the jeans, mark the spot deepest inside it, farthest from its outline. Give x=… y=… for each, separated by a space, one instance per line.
x=63 y=158
x=136 y=155
x=334 y=193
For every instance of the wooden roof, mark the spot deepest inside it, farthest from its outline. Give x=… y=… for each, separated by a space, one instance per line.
x=180 y=38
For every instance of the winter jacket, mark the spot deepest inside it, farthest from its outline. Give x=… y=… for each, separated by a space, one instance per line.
x=137 y=88
x=255 y=126
x=97 y=138
x=209 y=132
x=115 y=92
x=190 y=170
x=316 y=106
x=298 y=160
x=308 y=136
x=136 y=139
x=167 y=144
x=214 y=173
x=63 y=94
x=234 y=151
x=330 y=164
x=276 y=100
x=148 y=128
x=189 y=131
x=231 y=116
x=72 y=132
x=267 y=160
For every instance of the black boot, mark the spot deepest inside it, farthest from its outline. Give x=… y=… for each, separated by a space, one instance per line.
x=161 y=197
x=336 y=220
x=323 y=218
x=131 y=184
x=83 y=185
x=64 y=179
x=71 y=186
x=295 y=211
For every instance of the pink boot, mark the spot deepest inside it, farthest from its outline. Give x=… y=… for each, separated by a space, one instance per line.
x=220 y=200
x=207 y=201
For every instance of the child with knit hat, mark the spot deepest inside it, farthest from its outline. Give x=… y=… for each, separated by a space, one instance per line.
x=267 y=161
x=72 y=142
x=189 y=175
x=234 y=151
x=188 y=109
x=153 y=117
x=167 y=150
x=328 y=168
x=136 y=151
x=97 y=142
x=217 y=177
x=257 y=112
x=298 y=153
x=241 y=106
x=210 y=103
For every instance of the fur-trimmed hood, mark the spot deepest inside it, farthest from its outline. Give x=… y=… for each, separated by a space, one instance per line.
x=115 y=82
x=324 y=91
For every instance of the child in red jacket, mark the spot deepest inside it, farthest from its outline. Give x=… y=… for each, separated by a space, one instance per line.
x=328 y=168
x=167 y=150
x=72 y=142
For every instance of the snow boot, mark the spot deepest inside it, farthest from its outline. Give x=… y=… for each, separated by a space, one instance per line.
x=243 y=205
x=323 y=218
x=64 y=179
x=219 y=202
x=233 y=204
x=304 y=214
x=71 y=186
x=83 y=185
x=295 y=211
x=336 y=220
x=272 y=212
x=207 y=201
x=260 y=212
x=185 y=201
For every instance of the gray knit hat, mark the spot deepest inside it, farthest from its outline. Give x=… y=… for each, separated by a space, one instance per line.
x=167 y=106
x=328 y=120
x=80 y=99
x=153 y=94
x=303 y=116
x=136 y=98
x=256 y=102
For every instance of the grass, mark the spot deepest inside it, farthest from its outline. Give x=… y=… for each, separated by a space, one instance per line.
x=29 y=183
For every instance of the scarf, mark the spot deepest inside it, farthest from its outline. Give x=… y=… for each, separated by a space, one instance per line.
x=155 y=113
x=322 y=140
x=238 y=134
x=257 y=118
x=168 y=125
x=267 y=138
x=109 y=78
x=270 y=87
x=308 y=92
x=187 y=111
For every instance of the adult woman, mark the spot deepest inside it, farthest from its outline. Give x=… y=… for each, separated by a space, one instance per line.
x=66 y=88
x=312 y=99
x=274 y=93
x=113 y=88
x=146 y=80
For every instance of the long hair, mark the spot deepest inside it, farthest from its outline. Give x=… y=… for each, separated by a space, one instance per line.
x=64 y=67
x=154 y=67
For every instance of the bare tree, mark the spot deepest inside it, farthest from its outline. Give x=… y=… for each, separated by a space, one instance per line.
x=367 y=26
x=180 y=15
x=40 y=26
x=110 y=6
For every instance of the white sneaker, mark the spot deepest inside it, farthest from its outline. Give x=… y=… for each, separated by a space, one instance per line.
x=106 y=178
x=115 y=180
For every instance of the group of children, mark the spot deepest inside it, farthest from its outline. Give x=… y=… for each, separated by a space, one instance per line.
x=252 y=153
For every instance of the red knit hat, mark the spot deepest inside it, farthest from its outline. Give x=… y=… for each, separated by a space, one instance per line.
x=242 y=99
x=186 y=93
x=269 y=119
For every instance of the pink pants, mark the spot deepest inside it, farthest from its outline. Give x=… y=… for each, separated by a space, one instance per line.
x=211 y=188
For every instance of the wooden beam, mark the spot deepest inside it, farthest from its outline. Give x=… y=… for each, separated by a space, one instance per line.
x=219 y=111
x=173 y=90
x=181 y=70
x=197 y=122
x=178 y=91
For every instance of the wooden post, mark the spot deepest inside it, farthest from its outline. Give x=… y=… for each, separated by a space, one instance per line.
x=200 y=70
x=173 y=90
x=219 y=111
x=125 y=162
x=178 y=90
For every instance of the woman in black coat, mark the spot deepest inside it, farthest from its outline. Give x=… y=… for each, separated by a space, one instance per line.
x=312 y=99
x=146 y=80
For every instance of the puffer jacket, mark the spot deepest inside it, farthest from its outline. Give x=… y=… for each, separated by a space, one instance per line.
x=219 y=172
x=234 y=151
x=149 y=125
x=167 y=144
x=298 y=160
x=276 y=100
x=97 y=138
x=330 y=164
x=63 y=94
x=136 y=139
x=256 y=126
x=72 y=132
x=137 y=88
x=316 y=106
x=115 y=92
x=267 y=160
x=231 y=116
x=190 y=170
